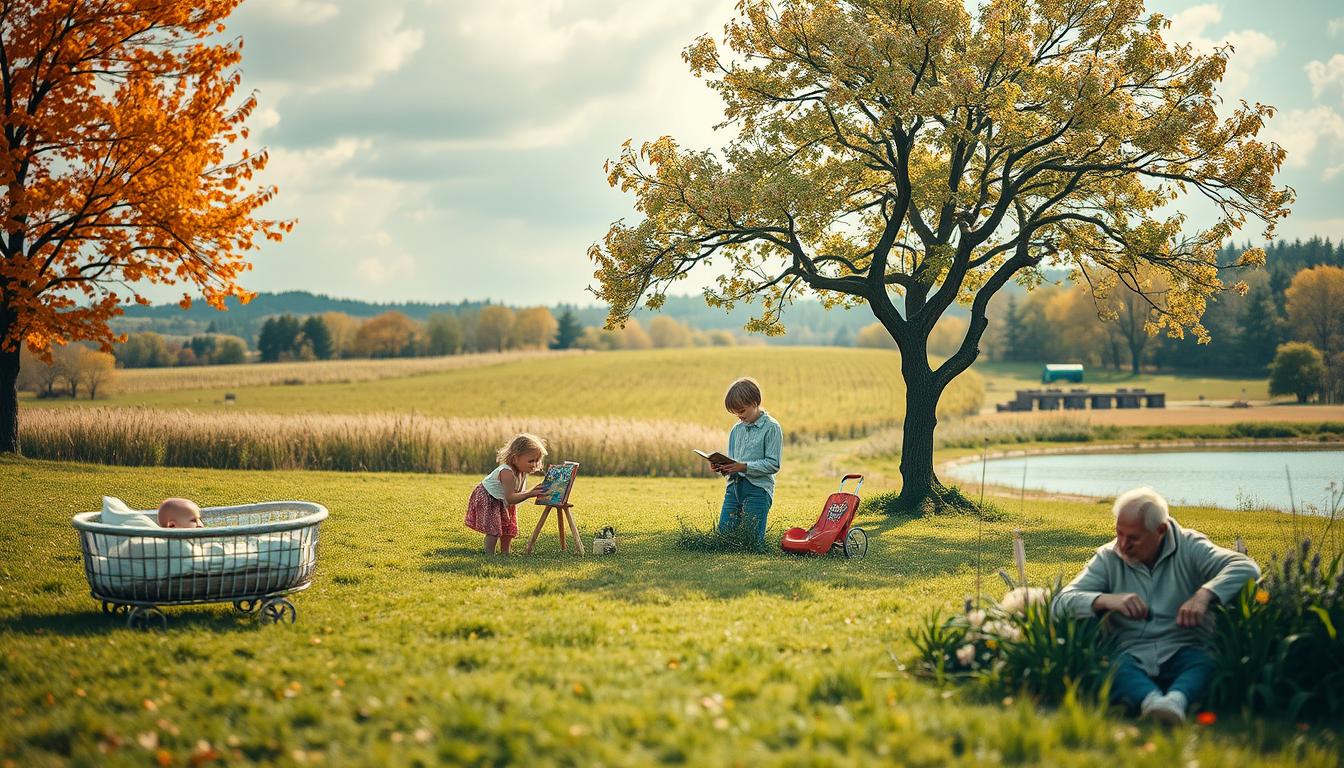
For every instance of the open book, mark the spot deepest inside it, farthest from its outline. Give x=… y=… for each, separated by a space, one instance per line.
x=714 y=458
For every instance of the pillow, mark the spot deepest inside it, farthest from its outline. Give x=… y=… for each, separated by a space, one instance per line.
x=115 y=512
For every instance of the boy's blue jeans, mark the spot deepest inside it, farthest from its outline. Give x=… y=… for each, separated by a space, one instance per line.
x=744 y=500
x=1188 y=671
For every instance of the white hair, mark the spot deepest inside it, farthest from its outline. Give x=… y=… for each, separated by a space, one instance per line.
x=1148 y=504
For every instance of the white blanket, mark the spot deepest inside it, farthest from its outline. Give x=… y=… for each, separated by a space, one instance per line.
x=152 y=559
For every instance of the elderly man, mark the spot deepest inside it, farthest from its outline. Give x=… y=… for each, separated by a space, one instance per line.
x=1158 y=579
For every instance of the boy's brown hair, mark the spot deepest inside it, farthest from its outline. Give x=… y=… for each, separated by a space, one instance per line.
x=743 y=393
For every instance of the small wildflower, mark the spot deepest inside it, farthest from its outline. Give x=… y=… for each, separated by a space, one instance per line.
x=1262 y=596
x=1206 y=718
x=975 y=618
x=966 y=655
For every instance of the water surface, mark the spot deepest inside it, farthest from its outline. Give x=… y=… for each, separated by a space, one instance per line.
x=1224 y=478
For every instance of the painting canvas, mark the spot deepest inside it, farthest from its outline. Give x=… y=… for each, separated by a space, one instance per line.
x=559 y=479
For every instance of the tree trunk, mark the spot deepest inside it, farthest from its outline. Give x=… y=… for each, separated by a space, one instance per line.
x=921 y=404
x=9 y=401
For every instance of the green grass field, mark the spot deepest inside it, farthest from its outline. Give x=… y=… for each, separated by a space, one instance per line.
x=413 y=648
x=823 y=391
x=1002 y=379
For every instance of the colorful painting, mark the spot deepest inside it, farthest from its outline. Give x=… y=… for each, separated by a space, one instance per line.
x=559 y=480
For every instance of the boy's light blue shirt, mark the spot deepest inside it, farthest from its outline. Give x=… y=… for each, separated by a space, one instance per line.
x=758 y=445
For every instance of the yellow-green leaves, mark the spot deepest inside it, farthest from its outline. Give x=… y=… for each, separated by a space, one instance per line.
x=953 y=150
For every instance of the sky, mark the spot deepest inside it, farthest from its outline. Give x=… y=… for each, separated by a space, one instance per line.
x=442 y=150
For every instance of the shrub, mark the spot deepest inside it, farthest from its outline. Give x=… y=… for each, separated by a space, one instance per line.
x=1297 y=370
x=1278 y=646
x=1018 y=646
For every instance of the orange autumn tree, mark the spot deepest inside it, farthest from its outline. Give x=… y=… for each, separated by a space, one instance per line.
x=118 y=120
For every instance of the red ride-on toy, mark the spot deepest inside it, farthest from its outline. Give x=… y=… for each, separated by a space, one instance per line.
x=832 y=530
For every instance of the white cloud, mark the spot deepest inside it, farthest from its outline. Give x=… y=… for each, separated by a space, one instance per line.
x=1252 y=48
x=382 y=268
x=309 y=46
x=298 y=12
x=1326 y=75
x=1303 y=131
x=1336 y=27
x=538 y=32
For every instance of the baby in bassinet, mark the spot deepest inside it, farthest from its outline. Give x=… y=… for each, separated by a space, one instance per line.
x=180 y=513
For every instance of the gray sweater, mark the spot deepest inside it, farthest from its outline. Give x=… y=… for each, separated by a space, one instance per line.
x=1186 y=562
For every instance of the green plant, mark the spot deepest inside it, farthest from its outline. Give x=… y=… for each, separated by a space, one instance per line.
x=1049 y=654
x=1278 y=647
x=740 y=538
x=1018 y=646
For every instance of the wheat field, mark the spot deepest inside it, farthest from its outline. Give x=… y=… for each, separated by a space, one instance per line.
x=133 y=381
x=356 y=442
x=617 y=413
x=824 y=392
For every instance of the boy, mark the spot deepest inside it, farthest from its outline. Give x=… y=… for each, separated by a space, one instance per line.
x=754 y=443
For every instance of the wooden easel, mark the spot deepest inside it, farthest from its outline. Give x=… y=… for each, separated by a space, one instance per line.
x=563 y=514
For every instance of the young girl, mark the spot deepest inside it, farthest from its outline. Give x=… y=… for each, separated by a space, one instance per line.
x=492 y=508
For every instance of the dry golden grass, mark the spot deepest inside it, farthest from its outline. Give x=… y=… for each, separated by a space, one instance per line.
x=363 y=442
x=135 y=380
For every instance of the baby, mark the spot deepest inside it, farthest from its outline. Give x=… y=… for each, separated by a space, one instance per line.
x=180 y=513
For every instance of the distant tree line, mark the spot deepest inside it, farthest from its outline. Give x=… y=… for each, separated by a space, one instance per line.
x=73 y=369
x=1298 y=297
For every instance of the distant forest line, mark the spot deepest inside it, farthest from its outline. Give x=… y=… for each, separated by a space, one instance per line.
x=1245 y=329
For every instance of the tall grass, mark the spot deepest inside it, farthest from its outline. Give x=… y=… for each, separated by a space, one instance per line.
x=369 y=442
x=136 y=380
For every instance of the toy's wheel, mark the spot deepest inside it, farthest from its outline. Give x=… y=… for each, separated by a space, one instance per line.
x=856 y=543
x=276 y=610
x=146 y=619
x=246 y=606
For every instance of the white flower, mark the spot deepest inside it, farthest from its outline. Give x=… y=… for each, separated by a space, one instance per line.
x=1017 y=600
x=1004 y=630
x=975 y=618
x=966 y=655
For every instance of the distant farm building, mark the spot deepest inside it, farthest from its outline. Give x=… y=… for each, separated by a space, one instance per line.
x=1062 y=372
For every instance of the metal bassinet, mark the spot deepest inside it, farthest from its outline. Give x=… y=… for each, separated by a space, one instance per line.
x=250 y=554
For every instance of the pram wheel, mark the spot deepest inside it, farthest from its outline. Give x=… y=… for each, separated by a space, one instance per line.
x=276 y=610
x=245 y=606
x=115 y=609
x=856 y=543
x=147 y=619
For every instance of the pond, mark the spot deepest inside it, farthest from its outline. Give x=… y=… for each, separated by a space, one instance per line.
x=1217 y=478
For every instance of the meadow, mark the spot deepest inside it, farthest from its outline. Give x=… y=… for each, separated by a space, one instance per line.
x=412 y=647
x=823 y=392
x=135 y=381
x=617 y=413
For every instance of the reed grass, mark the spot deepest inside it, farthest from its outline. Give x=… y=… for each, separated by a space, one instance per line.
x=356 y=442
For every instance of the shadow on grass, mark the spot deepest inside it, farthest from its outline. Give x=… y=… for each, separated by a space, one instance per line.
x=94 y=622
x=657 y=568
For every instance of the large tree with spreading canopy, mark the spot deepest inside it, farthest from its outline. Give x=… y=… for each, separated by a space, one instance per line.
x=118 y=116
x=906 y=154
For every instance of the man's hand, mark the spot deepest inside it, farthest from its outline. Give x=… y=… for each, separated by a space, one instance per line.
x=1127 y=604
x=1193 y=610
